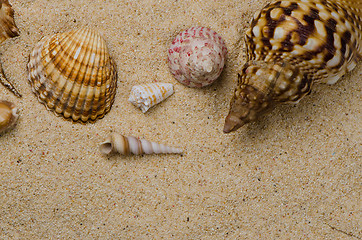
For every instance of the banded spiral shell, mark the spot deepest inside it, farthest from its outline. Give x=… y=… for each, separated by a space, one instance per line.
x=291 y=45
x=8 y=29
x=127 y=145
x=146 y=96
x=73 y=74
x=197 y=56
x=8 y=115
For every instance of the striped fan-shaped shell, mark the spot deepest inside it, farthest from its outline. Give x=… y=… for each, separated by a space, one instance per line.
x=147 y=95
x=73 y=74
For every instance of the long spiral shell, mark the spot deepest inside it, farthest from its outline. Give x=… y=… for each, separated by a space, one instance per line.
x=126 y=145
x=291 y=45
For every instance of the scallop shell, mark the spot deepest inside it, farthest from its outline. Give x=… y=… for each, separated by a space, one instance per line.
x=146 y=96
x=196 y=57
x=8 y=115
x=127 y=145
x=73 y=74
x=290 y=46
x=8 y=28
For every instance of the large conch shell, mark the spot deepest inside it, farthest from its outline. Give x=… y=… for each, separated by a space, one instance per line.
x=8 y=115
x=73 y=74
x=146 y=96
x=127 y=145
x=290 y=46
x=8 y=29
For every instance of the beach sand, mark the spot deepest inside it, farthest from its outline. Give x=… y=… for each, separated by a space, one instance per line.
x=294 y=174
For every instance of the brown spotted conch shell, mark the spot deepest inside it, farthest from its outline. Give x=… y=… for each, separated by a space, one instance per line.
x=132 y=145
x=73 y=75
x=8 y=29
x=8 y=115
x=290 y=46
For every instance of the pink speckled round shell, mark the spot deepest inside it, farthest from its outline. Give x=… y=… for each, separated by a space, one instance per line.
x=196 y=57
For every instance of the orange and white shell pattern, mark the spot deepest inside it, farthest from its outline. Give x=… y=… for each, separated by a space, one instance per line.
x=146 y=96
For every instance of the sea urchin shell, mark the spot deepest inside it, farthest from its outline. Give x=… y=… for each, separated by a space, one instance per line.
x=196 y=57
x=73 y=74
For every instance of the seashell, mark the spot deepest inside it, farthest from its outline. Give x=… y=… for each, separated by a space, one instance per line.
x=8 y=115
x=73 y=74
x=8 y=29
x=147 y=95
x=196 y=57
x=127 y=145
x=291 y=45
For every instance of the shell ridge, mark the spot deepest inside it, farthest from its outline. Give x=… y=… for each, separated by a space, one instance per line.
x=98 y=87
x=91 y=89
x=59 y=66
x=106 y=75
x=82 y=83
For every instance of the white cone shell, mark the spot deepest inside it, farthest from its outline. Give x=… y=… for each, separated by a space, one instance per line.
x=146 y=96
x=126 y=145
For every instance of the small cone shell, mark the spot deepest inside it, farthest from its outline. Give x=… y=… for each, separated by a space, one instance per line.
x=8 y=115
x=8 y=28
x=147 y=95
x=73 y=74
x=132 y=145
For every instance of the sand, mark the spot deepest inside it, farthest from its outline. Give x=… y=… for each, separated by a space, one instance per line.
x=294 y=174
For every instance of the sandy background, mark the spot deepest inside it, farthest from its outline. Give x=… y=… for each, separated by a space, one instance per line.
x=295 y=174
